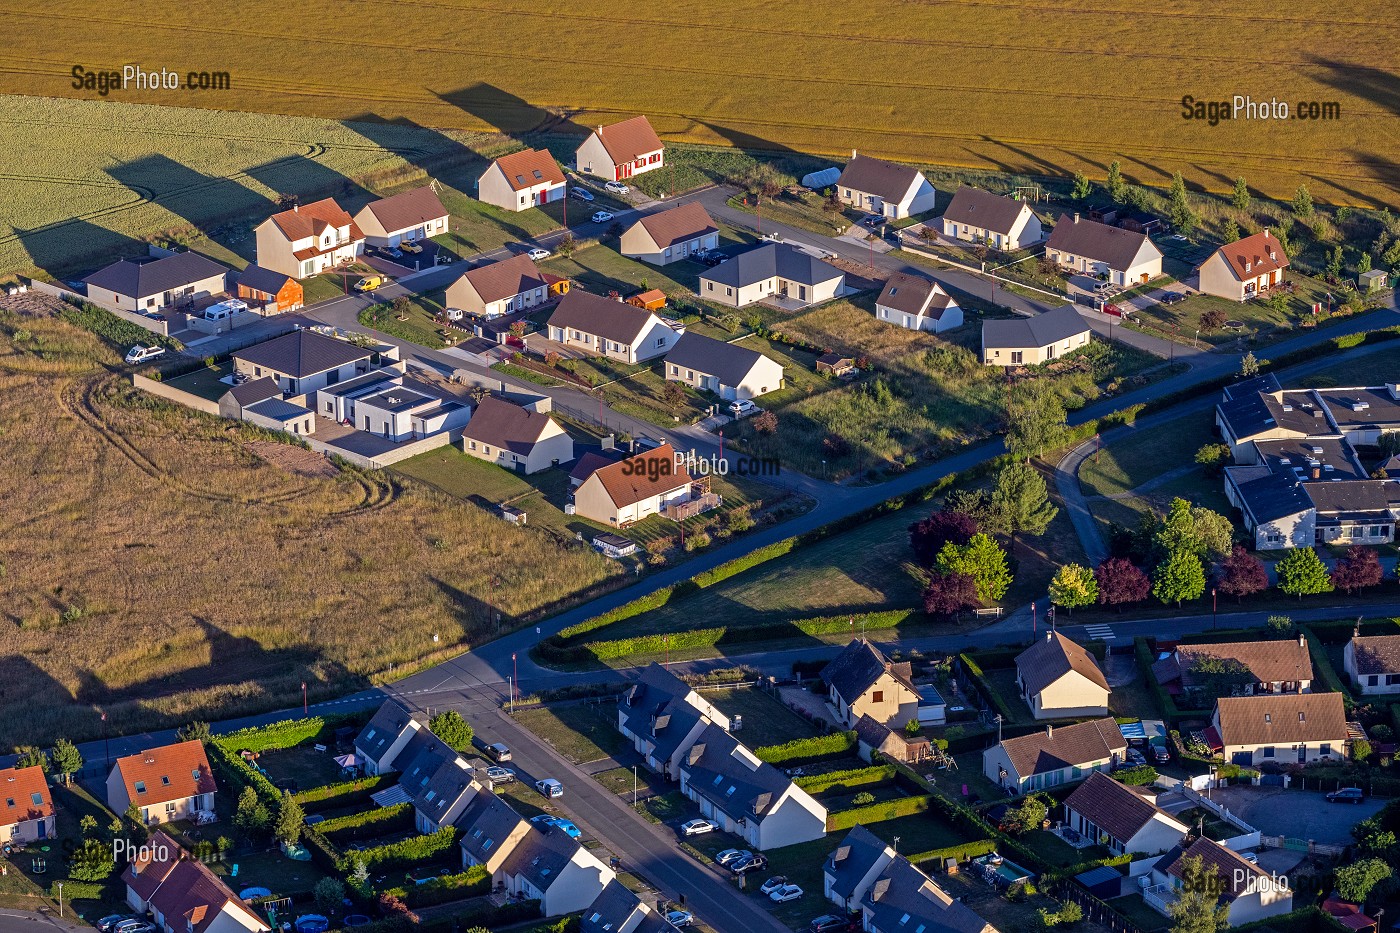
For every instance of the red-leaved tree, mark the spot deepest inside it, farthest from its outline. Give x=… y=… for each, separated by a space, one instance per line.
x=1360 y=568
x=928 y=536
x=1241 y=574
x=949 y=594
x=1121 y=582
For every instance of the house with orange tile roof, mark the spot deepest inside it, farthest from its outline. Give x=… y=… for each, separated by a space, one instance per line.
x=620 y=151
x=655 y=482
x=522 y=180
x=308 y=239
x=182 y=894
x=26 y=808
x=1245 y=268
x=504 y=287
x=172 y=782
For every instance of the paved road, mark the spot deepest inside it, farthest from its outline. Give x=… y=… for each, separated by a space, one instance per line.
x=23 y=921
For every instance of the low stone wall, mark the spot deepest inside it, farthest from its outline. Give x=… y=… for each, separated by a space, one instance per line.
x=179 y=396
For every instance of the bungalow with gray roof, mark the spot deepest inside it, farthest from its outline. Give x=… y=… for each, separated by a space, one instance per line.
x=614 y=329
x=905 y=900
x=772 y=270
x=978 y=216
x=915 y=302
x=669 y=235
x=726 y=369
x=1373 y=663
x=889 y=189
x=1058 y=678
x=410 y=215
x=1059 y=755
x=1121 y=818
x=516 y=438
x=1121 y=256
x=303 y=361
x=1027 y=341
x=157 y=285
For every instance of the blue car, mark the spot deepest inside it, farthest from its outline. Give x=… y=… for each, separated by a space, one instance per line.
x=568 y=827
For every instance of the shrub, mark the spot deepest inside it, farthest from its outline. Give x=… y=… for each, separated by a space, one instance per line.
x=343 y=794
x=408 y=851
x=452 y=729
x=800 y=750
x=854 y=777
x=863 y=799
x=877 y=812
x=470 y=883
x=379 y=821
x=1140 y=776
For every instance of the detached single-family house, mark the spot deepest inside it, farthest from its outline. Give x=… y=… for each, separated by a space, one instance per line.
x=874 y=737
x=522 y=180
x=387 y=733
x=1373 y=663
x=1093 y=249
x=416 y=214
x=172 y=782
x=503 y=287
x=1027 y=341
x=885 y=188
x=669 y=235
x=853 y=867
x=308 y=239
x=773 y=270
x=270 y=292
x=157 y=285
x=1059 y=755
x=618 y=910
x=615 y=329
x=302 y=361
x=619 y=151
x=1059 y=679
x=654 y=482
x=917 y=303
x=1121 y=818
x=516 y=438
x=726 y=369
x=861 y=681
x=547 y=866
x=1201 y=672
x=1284 y=728
x=1250 y=892
x=981 y=217
x=182 y=894
x=905 y=900
x=1245 y=268
x=268 y=410
x=747 y=797
x=662 y=716
x=399 y=414
x=26 y=808
x=835 y=364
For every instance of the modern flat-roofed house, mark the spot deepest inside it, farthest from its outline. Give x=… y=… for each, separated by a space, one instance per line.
x=726 y=369
x=1250 y=892
x=886 y=188
x=1373 y=663
x=182 y=894
x=1121 y=818
x=773 y=270
x=979 y=216
x=302 y=361
x=904 y=899
x=917 y=303
x=669 y=235
x=618 y=910
x=648 y=483
x=861 y=681
x=26 y=808
x=502 y=287
x=399 y=414
x=270 y=292
x=416 y=214
x=1284 y=728
x=516 y=438
x=157 y=285
x=171 y=782
x=1275 y=508
x=308 y=239
x=614 y=329
x=621 y=150
x=746 y=796
x=1245 y=268
x=853 y=866
x=387 y=733
x=1059 y=755
x=1362 y=414
x=1059 y=679
x=1026 y=341
x=1089 y=248
x=662 y=716
x=1244 y=668
x=522 y=180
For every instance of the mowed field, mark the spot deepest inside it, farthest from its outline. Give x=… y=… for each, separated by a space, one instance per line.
x=155 y=567
x=994 y=84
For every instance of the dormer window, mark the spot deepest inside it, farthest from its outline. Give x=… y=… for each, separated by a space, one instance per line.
x=195 y=774
x=1302 y=717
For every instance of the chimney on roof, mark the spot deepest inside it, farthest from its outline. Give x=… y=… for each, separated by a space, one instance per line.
x=1266 y=233
x=296 y=208
x=1394 y=389
x=853 y=153
x=1047 y=636
x=1248 y=265
x=1317 y=472
x=1076 y=217
x=1049 y=732
x=1355 y=631
x=1317 y=413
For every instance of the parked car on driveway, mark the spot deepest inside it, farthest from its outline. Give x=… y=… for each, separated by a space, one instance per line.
x=788 y=892
x=408 y=246
x=602 y=217
x=713 y=258
x=583 y=194
x=393 y=252
x=538 y=253
x=679 y=918
x=698 y=827
x=1346 y=795
x=829 y=923
x=369 y=283
x=140 y=354
x=742 y=408
x=616 y=187
x=732 y=855
x=772 y=884
x=752 y=863
x=106 y=923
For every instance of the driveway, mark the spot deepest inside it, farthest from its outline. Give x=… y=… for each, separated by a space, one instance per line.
x=1301 y=814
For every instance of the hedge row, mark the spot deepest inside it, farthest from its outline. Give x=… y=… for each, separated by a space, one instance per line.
x=877 y=812
x=284 y=734
x=381 y=820
x=1344 y=342
x=470 y=883
x=1170 y=713
x=800 y=750
x=234 y=770
x=852 y=777
x=971 y=823
x=482 y=915
x=343 y=794
x=1323 y=665
x=963 y=851
x=408 y=851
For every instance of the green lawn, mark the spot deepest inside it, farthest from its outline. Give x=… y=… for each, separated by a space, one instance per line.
x=1139 y=914
x=969 y=773
x=418 y=325
x=766 y=720
x=1003 y=681
x=1144 y=455
x=671 y=805
x=309 y=768
x=1058 y=853
x=1261 y=323
x=1373 y=369
x=580 y=732
x=803 y=210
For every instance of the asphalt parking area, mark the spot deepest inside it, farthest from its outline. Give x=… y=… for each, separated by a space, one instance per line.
x=1301 y=814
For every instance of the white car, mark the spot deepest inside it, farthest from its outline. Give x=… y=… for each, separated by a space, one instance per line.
x=616 y=187
x=538 y=253
x=773 y=884
x=583 y=194
x=788 y=892
x=679 y=918
x=602 y=217
x=550 y=787
x=140 y=354
x=741 y=408
x=732 y=855
x=698 y=827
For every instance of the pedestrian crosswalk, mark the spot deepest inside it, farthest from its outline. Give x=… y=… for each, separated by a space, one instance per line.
x=1099 y=632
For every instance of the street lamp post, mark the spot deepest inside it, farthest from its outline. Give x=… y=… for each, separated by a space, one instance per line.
x=515 y=683
x=1213 y=607
x=59 y=884
x=510 y=686
x=634 y=786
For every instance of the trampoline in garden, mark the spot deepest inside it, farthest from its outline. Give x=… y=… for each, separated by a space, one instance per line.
x=312 y=923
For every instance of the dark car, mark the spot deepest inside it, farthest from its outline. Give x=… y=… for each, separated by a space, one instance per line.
x=713 y=259
x=1169 y=298
x=1160 y=754
x=829 y=923
x=1346 y=795
x=752 y=863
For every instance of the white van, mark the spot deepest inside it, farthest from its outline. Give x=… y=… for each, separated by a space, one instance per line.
x=550 y=788
x=225 y=309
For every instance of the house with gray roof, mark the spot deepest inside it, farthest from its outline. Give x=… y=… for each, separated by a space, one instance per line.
x=516 y=438
x=601 y=326
x=861 y=681
x=889 y=189
x=547 y=866
x=618 y=910
x=303 y=361
x=977 y=216
x=1123 y=257
x=916 y=302
x=726 y=369
x=446 y=793
x=905 y=900
x=663 y=716
x=157 y=285
x=772 y=270
x=853 y=866
x=278 y=414
x=748 y=797
x=233 y=402
x=489 y=831
x=670 y=235
x=1122 y=818
x=382 y=739
x=1028 y=341
x=1373 y=663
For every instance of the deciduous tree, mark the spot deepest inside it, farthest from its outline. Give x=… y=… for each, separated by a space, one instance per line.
x=1115 y=185
x=1120 y=582
x=1035 y=420
x=1241 y=574
x=927 y=536
x=983 y=560
x=1214 y=458
x=949 y=594
x=1072 y=586
x=1081 y=188
x=1360 y=568
x=290 y=820
x=1355 y=881
x=1214 y=532
x=67 y=760
x=1302 y=573
x=452 y=729
x=1197 y=908
x=1179 y=577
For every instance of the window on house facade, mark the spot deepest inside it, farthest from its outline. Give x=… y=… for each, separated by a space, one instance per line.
x=1016 y=356
x=1392 y=679
x=1268 y=751
x=877 y=697
x=1372 y=680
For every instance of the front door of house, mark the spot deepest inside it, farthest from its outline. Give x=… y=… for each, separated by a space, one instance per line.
x=1302 y=754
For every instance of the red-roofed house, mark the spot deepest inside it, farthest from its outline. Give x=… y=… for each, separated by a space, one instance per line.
x=167 y=783
x=522 y=180
x=620 y=151
x=410 y=215
x=1245 y=268
x=26 y=809
x=650 y=483
x=183 y=895
x=308 y=239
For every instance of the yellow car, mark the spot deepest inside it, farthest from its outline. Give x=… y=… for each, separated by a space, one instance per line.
x=410 y=247
x=369 y=283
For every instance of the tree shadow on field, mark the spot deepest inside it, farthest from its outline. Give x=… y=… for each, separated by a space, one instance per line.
x=507 y=113
x=310 y=181
x=71 y=249
x=430 y=151
x=1385 y=170
x=27 y=692
x=1373 y=84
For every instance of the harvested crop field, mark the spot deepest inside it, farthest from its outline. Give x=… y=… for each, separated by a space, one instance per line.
x=1025 y=86
x=152 y=566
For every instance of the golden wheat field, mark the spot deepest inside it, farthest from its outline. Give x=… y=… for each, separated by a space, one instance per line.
x=152 y=565
x=1045 y=86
